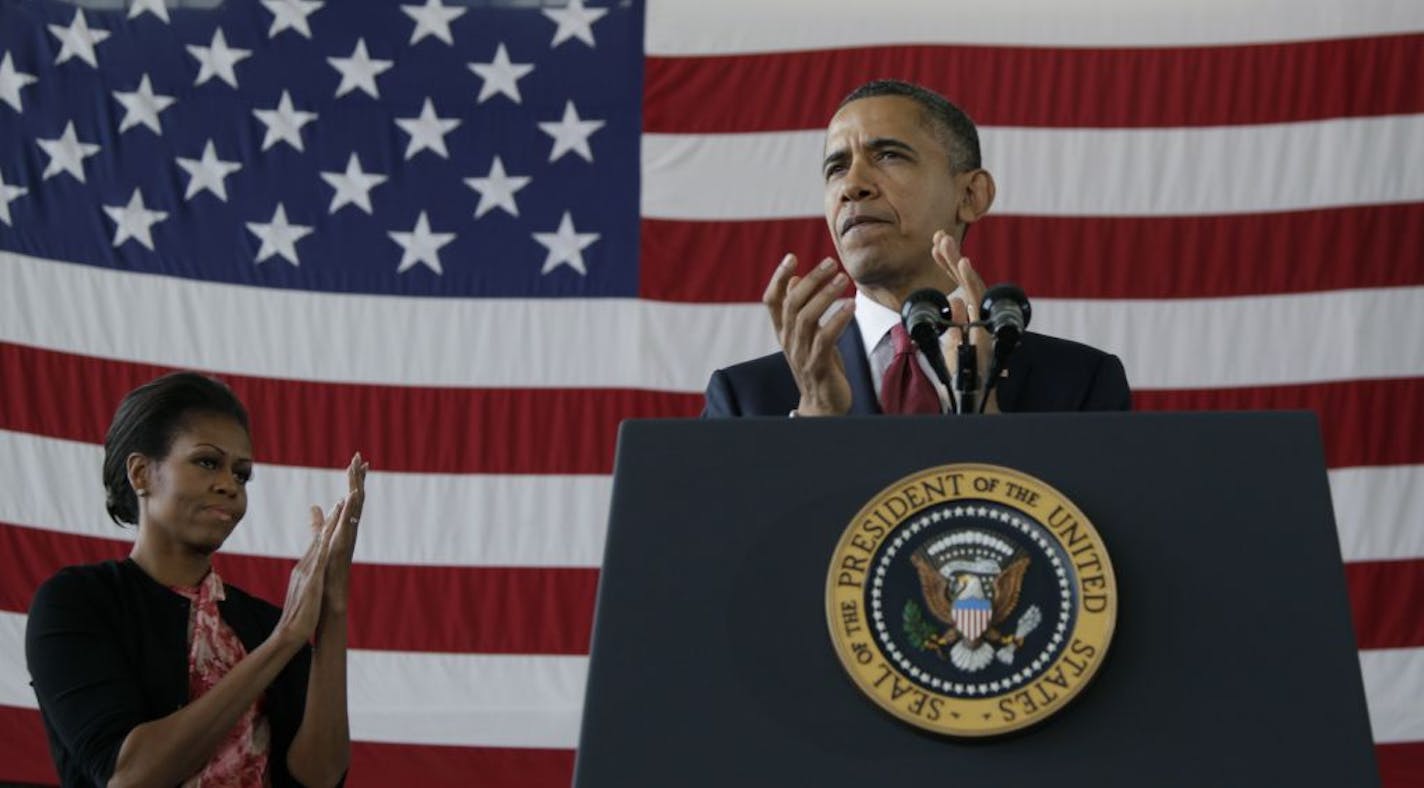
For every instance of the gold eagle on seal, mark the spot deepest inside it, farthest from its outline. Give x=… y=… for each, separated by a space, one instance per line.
x=971 y=583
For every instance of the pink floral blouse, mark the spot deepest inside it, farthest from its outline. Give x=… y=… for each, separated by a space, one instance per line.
x=213 y=650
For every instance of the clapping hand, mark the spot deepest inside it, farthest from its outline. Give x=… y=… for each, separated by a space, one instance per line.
x=797 y=305
x=963 y=307
x=343 y=524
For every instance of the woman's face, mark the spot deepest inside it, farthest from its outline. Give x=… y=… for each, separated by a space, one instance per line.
x=196 y=495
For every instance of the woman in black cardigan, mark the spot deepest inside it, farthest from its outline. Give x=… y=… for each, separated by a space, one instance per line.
x=151 y=671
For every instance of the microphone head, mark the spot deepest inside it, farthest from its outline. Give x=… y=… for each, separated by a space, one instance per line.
x=1005 y=294
x=927 y=308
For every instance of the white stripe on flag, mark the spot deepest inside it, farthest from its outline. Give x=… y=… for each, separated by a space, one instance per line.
x=630 y=343
x=677 y=27
x=480 y=520
x=523 y=701
x=471 y=700
x=412 y=518
x=1069 y=172
x=1394 y=685
x=1380 y=513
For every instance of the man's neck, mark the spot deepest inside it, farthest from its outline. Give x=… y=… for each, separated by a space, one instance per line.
x=892 y=294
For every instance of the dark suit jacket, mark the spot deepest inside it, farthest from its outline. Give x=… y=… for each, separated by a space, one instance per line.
x=1045 y=374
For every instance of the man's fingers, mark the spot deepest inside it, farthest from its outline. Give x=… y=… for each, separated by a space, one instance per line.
x=958 y=310
x=971 y=280
x=830 y=331
x=950 y=342
x=776 y=289
x=797 y=296
x=945 y=252
x=807 y=322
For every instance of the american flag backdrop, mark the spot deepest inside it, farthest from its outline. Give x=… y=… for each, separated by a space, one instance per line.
x=469 y=237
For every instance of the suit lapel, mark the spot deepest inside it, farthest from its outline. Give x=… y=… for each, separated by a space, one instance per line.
x=1020 y=367
x=857 y=367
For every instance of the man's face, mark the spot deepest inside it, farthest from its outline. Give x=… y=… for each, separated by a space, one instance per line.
x=888 y=188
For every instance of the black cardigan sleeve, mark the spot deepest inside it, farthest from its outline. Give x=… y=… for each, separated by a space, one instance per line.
x=80 y=674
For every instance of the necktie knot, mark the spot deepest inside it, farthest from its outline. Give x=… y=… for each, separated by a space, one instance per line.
x=906 y=388
x=900 y=340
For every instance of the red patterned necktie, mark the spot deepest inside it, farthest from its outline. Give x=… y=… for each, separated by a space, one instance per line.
x=906 y=388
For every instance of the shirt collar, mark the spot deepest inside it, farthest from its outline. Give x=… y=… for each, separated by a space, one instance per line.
x=873 y=319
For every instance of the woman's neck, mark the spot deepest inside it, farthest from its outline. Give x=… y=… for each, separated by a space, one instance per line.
x=169 y=563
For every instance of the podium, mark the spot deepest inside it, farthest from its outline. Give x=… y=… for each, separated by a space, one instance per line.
x=1233 y=660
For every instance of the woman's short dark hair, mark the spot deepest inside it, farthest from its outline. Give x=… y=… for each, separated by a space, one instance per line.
x=148 y=420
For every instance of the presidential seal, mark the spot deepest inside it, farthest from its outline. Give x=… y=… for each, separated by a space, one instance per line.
x=971 y=600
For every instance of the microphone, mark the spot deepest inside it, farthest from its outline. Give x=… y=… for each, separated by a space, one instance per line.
x=925 y=315
x=1005 y=311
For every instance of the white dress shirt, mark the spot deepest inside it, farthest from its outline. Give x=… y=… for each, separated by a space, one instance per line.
x=875 y=322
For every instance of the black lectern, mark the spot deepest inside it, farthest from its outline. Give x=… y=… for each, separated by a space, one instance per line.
x=1233 y=661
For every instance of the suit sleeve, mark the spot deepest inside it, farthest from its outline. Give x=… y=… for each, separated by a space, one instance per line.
x=80 y=676
x=721 y=400
x=1109 y=390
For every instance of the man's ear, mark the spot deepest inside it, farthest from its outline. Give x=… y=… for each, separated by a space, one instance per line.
x=138 y=468
x=979 y=193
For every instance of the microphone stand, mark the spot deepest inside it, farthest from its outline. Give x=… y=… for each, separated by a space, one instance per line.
x=928 y=343
x=966 y=378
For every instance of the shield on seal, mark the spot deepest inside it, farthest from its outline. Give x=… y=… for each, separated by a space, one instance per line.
x=971 y=617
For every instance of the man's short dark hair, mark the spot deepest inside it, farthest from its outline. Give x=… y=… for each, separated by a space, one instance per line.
x=950 y=123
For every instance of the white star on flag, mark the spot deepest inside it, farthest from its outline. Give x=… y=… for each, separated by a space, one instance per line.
x=432 y=19
x=11 y=81
x=78 y=40
x=279 y=236
x=155 y=7
x=284 y=124
x=66 y=154
x=353 y=187
x=421 y=246
x=497 y=190
x=571 y=134
x=427 y=132
x=359 y=71
x=565 y=246
x=574 y=21
x=208 y=173
x=500 y=76
x=218 y=60
x=8 y=194
x=134 y=221
x=291 y=15
x=142 y=106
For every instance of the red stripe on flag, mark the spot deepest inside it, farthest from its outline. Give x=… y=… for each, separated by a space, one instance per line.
x=506 y=610
x=1040 y=86
x=1401 y=764
x=24 y=749
x=302 y=423
x=25 y=758
x=374 y=764
x=1078 y=257
x=1386 y=597
x=386 y=614
x=1366 y=422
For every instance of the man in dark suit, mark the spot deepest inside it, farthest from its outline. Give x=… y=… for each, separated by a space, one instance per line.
x=903 y=182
